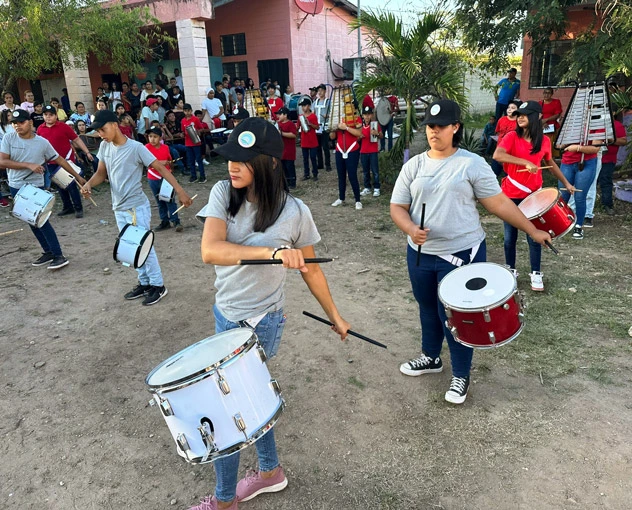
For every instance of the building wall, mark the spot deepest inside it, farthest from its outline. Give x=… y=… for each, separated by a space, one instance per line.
x=482 y=100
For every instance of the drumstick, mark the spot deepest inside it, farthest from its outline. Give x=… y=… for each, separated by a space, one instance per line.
x=539 y=168
x=421 y=226
x=89 y=197
x=182 y=206
x=352 y=333
x=10 y=232
x=552 y=247
x=564 y=189
x=261 y=262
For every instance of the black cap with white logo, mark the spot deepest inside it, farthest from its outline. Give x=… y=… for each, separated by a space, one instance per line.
x=442 y=113
x=252 y=137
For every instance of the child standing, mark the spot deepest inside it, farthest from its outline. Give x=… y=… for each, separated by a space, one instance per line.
x=368 y=152
x=194 y=150
x=309 y=139
x=287 y=128
x=160 y=151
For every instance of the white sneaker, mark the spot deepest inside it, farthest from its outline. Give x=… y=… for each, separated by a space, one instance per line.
x=338 y=202
x=358 y=206
x=365 y=191
x=536 y=281
x=376 y=192
x=205 y=162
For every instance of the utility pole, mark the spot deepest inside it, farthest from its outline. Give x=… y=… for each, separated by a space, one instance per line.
x=359 y=31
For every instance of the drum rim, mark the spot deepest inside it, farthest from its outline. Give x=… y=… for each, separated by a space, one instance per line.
x=118 y=240
x=142 y=241
x=203 y=373
x=571 y=227
x=548 y=208
x=486 y=308
x=378 y=109
x=493 y=346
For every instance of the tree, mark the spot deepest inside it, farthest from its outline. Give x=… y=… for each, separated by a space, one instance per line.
x=38 y=35
x=411 y=63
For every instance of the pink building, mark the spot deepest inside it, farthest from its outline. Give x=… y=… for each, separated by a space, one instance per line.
x=244 y=38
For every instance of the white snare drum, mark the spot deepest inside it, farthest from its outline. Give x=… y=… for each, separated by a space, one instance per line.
x=62 y=178
x=166 y=193
x=33 y=205
x=218 y=131
x=216 y=396
x=133 y=245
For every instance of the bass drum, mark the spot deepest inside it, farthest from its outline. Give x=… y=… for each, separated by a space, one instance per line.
x=383 y=111
x=294 y=107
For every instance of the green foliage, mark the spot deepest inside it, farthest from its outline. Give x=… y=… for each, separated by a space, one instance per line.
x=38 y=35
x=471 y=142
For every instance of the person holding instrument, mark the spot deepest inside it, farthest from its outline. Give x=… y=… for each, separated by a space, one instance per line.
x=448 y=181
x=253 y=216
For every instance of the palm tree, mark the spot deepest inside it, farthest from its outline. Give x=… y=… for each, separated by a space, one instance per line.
x=411 y=63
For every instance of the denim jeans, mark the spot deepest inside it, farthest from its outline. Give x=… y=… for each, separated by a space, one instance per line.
x=313 y=155
x=511 y=237
x=425 y=280
x=45 y=235
x=387 y=130
x=370 y=166
x=581 y=180
x=605 y=183
x=166 y=210
x=150 y=273
x=194 y=155
x=348 y=167
x=591 y=196
x=323 y=149
x=269 y=331
x=289 y=170
x=177 y=151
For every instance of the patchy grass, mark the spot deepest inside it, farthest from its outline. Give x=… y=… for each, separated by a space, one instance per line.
x=356 y=382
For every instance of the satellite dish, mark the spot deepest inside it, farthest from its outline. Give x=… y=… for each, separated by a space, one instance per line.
x=310 y=6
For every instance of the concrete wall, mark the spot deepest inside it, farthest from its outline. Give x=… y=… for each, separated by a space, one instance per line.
x=482 y=100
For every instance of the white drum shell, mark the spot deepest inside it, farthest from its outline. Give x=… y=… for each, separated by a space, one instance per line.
x=133 y=246
x=166 y=193
x=33 y=205
x=62 y=178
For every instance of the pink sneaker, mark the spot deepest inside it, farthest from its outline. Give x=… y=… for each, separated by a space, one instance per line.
x=254 y=484
x=210 y=503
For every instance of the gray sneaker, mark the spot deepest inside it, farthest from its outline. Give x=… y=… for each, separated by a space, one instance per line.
x=58 y=263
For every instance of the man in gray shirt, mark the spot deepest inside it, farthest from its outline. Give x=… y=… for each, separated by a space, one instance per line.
x=24 y=155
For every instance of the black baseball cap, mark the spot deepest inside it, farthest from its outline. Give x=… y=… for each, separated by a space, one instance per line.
x=512 y=70
x=322 y=86
x=252 y=137
x=20 y=115
x=305 y=101
x=367 y=109
x=529 y=107
x=102 y=117
x=240 y=113
x=49 y=109
x=442 y=113
x=283 y=110
x=155 y=131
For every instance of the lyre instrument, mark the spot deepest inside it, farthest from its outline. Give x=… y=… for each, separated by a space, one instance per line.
x=342 y=107
x=256 y=104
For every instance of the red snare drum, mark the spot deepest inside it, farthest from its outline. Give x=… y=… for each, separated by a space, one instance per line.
x=482 y=304
x=547 y=210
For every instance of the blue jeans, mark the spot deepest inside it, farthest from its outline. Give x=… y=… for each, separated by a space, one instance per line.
x=269 y=331
x=150 y=273
x=581 y=180
x=605 y=183
x=313 y=155
x=370 y=166
x=511 y=237
x=289 y=170
x=45 y=235
x=166 y=210
x=194 y=155
x=425 y=280
x=387 y=130
x=348 y=167
x=177 y=151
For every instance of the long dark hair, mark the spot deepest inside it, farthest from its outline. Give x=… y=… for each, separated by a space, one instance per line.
x=270 y=191
x=535 y=131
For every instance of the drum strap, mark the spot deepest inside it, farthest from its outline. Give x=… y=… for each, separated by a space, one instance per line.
x=133 y=213
x=521 y=187
x=457 y=261
x=345 y=155
x=252 y=322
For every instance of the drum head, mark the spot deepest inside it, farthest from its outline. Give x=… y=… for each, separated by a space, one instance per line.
x=383 y=111
x=476 y=286
x=539 y=202
x=145 y=248
x=218 y=130
x=199 y=357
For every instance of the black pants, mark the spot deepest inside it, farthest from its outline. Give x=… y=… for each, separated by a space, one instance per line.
x=323 y=143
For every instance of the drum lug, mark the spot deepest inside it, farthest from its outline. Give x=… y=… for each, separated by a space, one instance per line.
x=183 y=444
x=448 y=313
x=570 y=217
x=262 y=354
x=454 y=331
x=164 y=405
x=487 y=317
x=207 y=437
x=552 y=234
x=506 y=306
x=492 y=337
x=241 y=424
x=275 y=386
x=223 y=385
x=542 y=220
x=521 y=317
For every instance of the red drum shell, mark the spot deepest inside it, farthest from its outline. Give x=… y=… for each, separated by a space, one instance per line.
x=547 y=211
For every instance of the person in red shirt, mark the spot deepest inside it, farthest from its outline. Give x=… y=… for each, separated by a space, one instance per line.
x=287 y=128
x=347 y=158
x=160 y=151
x=309 y=139
x=506 y=124
x=526 y=147
x=63 y=139
x=551 y=111
x=194 y=150
x=275 y=103
x=388 y=129
x=608 y=162
x=369 y=151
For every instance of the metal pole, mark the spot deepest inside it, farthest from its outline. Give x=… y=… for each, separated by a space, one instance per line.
x=359 y=31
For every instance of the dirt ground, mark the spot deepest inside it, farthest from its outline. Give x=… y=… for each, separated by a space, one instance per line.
x=356 y=434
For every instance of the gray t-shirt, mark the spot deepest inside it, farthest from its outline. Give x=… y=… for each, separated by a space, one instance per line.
x=247 y=291
x=124 y=164
x=449 y=188
x=146 y=112
x=35 y=150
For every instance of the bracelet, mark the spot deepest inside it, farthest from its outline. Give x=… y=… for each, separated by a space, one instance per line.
x=276 y=250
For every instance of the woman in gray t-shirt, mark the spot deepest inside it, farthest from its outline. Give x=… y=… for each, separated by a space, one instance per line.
x=254 y=217
x=445 y=182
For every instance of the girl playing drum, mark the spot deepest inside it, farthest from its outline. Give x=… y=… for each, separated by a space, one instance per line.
x=445 y=182
x=252 y=216
x=526 y=148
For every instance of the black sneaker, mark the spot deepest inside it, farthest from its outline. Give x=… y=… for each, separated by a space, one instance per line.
x=179 y=227
x=44 y=259
x=422 y=365
x=58 y=262
x=66 y=212
x=164 y=225
x=588 y=223
x=138 y=292
x=79 y=214
x=201 y=180
x=154 y=295
x=578 y=233
x=458 y=390
x=193 y=179
x=328 y=169
x=315 y=177
x=609 y=211
x=306 y=177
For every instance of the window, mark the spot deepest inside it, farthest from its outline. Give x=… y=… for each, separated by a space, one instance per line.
x=545 y=71
x=234 y=44
x=236 y=69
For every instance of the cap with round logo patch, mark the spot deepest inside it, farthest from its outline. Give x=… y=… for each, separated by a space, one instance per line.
x=20 y=115
x=442 y=113
x=240 y=113
x=252 y=137
x=529 y=107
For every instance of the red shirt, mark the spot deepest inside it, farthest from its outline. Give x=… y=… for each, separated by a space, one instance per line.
x=309 y=140
x=570 y=158
x=346 y=142
x=520 y=148
x=161 y=154
x=59 y=135
x=198 y=125
x=369 y=147
x=550 y=109
x=289 y=144
x=505 y=125
x=394 y=103
x=613 y=150
x=275 y=104
x=127 y=131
